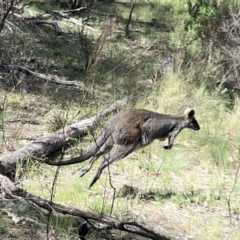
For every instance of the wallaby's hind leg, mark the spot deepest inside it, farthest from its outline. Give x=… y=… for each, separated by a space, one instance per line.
x=118 y=152
x=102 y=150
x=85 y=169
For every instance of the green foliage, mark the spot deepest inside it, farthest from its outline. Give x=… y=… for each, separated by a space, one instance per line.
x=218 y=152
x=57 y=120
x=3 y=228
x=205 y=16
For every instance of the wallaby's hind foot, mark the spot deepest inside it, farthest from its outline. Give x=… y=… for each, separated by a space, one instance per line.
x=104 y=149
x=86 y=169
x=83 y=171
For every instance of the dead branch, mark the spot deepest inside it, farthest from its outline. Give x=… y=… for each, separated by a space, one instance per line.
x=231 y=29
x=38 y=75
x=60 y=13
x=6 y=13
x=38 y=22
x=77 y=10
x=56 y=140
x=24 y=120
x=129 y=20
x=89 y=8
x=10 y=190
x=12 y=26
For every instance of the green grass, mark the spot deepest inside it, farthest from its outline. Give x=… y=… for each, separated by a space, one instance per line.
x=192 y=184
x=3 y=229
x=199 y=171
x=196 y=169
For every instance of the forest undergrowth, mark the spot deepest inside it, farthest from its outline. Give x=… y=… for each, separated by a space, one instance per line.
x=173 y=58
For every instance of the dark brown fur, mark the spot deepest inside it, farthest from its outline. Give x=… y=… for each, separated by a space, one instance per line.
x=130 y=130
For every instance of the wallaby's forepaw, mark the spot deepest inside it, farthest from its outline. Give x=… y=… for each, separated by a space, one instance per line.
x=167 y=147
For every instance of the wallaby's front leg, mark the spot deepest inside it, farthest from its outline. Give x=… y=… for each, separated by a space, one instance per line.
x=171 y=136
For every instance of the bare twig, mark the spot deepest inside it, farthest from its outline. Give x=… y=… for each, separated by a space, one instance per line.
x=51 y=198
x=233 y=187
x=5 y=15
x=129 y=20
x=39 y=22
x=81 y=9
x=2 y=112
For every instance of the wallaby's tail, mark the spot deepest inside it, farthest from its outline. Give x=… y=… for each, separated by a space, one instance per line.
x=93 y=150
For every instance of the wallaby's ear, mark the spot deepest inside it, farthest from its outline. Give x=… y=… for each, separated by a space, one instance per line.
x=189 y=113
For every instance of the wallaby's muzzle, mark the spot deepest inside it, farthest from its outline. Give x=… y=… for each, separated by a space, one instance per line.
x=195 y=125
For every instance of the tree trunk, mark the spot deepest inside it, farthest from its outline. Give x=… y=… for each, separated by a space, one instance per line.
x=55 y=140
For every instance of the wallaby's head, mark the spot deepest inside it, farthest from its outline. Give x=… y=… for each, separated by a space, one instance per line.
x=189 y=116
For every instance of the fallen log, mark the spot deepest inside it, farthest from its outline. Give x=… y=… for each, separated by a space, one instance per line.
x=39 y=22
x=39 y=75
x=10 y=190
x=56 y=140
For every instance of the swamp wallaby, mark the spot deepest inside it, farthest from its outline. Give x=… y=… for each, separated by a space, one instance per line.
x=130 y=130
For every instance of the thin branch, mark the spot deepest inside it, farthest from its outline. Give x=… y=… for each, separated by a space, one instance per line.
x=51 y=198
x=5 y=15
x=129 y=20
x=39 y=22
x=233 y=187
